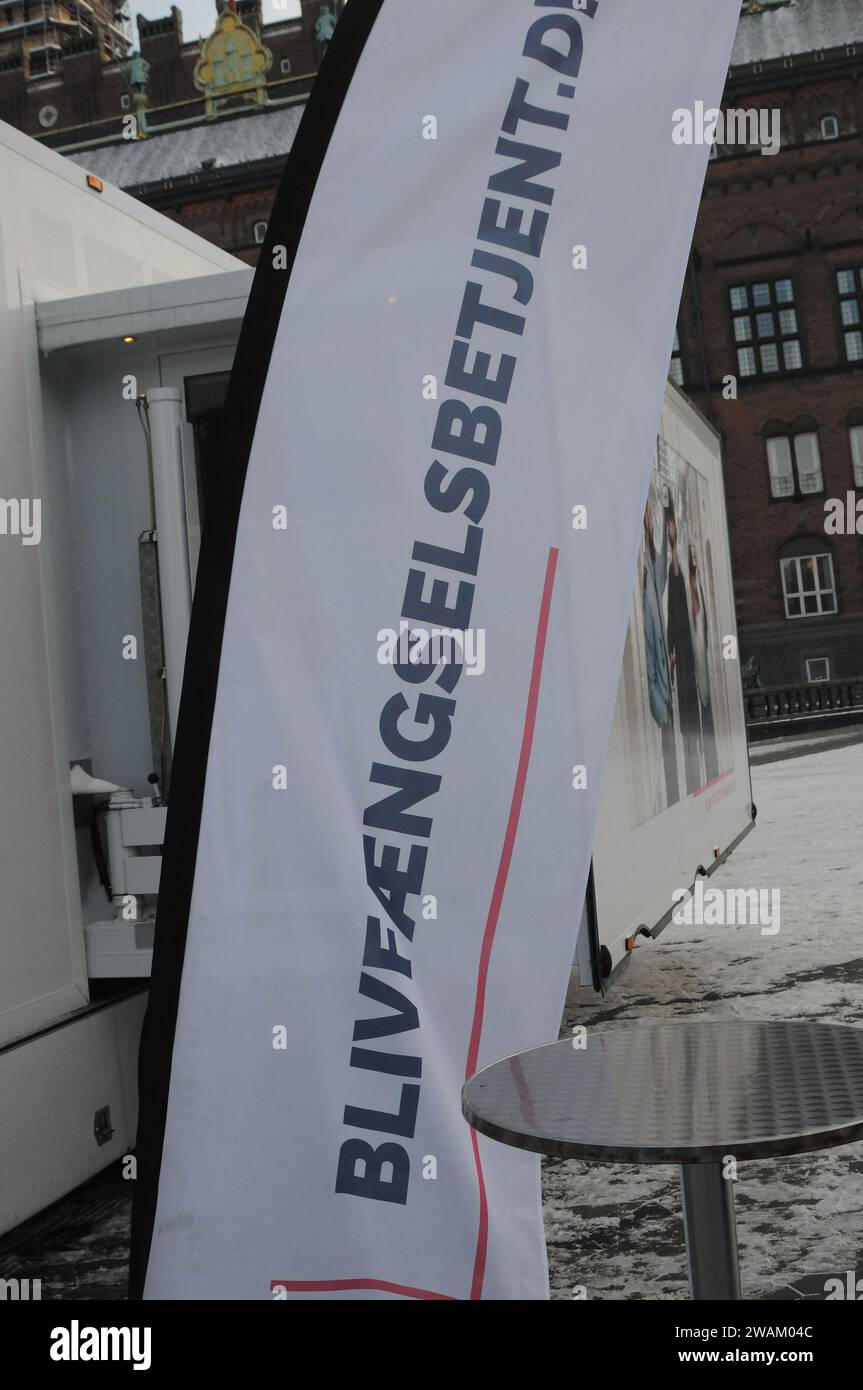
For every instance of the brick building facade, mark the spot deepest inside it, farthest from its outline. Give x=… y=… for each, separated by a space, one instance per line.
x=774 y=294
x=774 y=298
x=89 y=87
x=209 y=155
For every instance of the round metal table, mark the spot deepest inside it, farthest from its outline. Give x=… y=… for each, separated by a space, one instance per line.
x=697 y=1093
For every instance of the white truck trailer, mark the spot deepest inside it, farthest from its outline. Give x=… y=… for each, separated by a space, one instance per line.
x=116 y=382
x=677 y=796
x=67 y=1057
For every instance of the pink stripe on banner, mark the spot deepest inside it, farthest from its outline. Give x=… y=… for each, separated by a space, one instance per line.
x=497 y=897
x=334 y=1285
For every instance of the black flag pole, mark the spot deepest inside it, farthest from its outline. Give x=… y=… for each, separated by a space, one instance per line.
x=203 y=651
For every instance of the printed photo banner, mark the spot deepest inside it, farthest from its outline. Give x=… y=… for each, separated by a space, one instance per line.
x=440 y=421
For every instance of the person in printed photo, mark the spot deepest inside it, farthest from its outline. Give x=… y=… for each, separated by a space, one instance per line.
x=700 y=646
x=682 y=655
x=659 y=684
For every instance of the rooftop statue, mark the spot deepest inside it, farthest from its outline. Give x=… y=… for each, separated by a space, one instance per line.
x=326 y=25
x=139 y=70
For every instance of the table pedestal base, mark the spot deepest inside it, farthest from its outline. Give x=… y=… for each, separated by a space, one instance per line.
x=711 y=1236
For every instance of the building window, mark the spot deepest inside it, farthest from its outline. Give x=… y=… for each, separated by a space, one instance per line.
x=675 y=371
x=44 y=60
x=766 y=330
x=849 y=287
x=817 y=669
x=808 y=585
x=794 y=460
x=285 y=65
x=259 y=231
x=829 y=128
x=855 y=434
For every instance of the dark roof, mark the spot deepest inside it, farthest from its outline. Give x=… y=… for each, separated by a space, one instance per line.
x=128 y=163
x=786 y=28
x=800 y=26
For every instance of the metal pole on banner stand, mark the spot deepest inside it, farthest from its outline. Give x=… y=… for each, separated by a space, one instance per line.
x=175 y=583
x=711 y=1234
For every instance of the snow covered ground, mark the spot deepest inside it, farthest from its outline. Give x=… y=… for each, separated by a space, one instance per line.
x=617 y=1231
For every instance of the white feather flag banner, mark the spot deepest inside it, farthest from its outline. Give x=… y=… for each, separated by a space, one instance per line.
x=407 y=638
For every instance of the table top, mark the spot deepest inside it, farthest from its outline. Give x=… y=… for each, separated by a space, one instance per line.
x=695 y=1091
